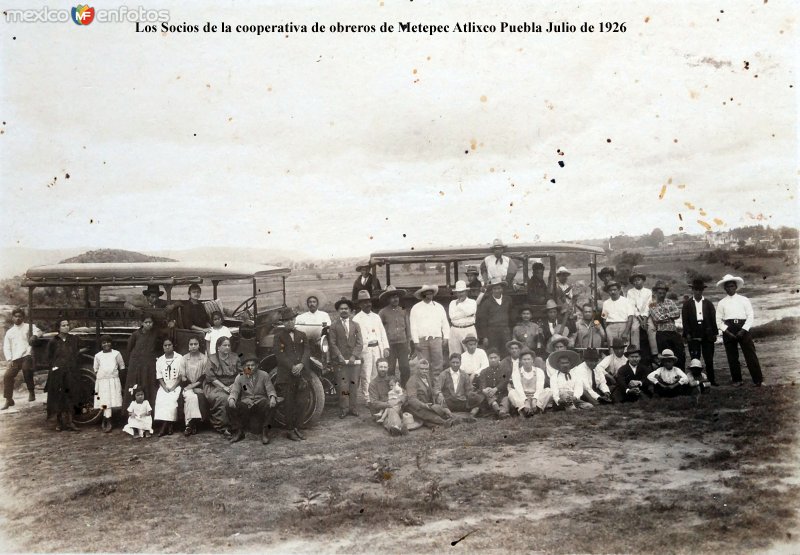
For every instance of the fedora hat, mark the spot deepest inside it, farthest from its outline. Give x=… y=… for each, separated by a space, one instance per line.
x=409 y=422
x=612 y=284
x=556 y=338
x=660 y=284
x=424 y=289
x=695 y=363
x=364 y=295
x=468 y=338
x=391 y=291
x=636 y=273
x=631 y=350
x=617 y=343
x=471 y=269
x=514 y=342
x=607 y=270
x=152 y=289
x=498 y=243
x=574 y=358
x=667 y=354
x=591 y=354
x=698 y=284
x=287 y=313
x=563 y=270
x=550 y=305
x=728 y=277
x=461 y=285
x=342 y=301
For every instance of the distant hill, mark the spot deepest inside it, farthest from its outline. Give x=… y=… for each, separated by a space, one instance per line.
x=114 y=255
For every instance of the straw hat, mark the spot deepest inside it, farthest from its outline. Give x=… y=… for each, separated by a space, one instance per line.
x=551 y=304
x=424 y=289
x=636 y=273
x=728 y=277
x=409 y=422
x=556 y=338
x=364 y=295
x=468 y=338
x=390 y=291
x=498 y=243
x=563 y=270
x=574 y=358
x=302 y=299
x=461 y=285
x=667 y=354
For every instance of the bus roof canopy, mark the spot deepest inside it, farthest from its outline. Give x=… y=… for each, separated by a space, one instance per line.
x=451 y=254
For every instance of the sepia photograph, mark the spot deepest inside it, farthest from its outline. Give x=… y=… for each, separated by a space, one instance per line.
x=400 y=277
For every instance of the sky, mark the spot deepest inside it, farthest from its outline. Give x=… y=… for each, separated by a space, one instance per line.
x=343 y=144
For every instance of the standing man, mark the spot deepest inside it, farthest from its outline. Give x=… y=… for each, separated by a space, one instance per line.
x=589 y=332
x=700 y=327
x=538 y=292
x=493 y=319
x=346 y=345
x=473 y=281
x=365 y=282
x=734 y=318
x=17 y=350
x=313 y=322
x=661 y=329
x=640 y=297
x=564 y=291
x=376 y=344
x=498 y=267
x=462 y=311
x=398 y=331
x=618 y=314
x=292 y=352
x=430 y=331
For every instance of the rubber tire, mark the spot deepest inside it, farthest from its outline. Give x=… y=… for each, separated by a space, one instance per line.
x=87 y=414
x=313 y=412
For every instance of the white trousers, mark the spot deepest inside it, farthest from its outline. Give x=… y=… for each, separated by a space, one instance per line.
x=191 y=405
x=369 y=358
x=521 y=399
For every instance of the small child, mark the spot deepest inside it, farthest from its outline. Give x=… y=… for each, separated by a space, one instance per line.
x=668 y=380
x=217 y=331
x=107 y=387
x=140 y=421
x=697 y=378
x=395 y=397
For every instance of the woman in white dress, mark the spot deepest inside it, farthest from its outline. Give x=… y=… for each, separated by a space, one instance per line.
x=169 y=370
x=194 y=367
x=107 y=387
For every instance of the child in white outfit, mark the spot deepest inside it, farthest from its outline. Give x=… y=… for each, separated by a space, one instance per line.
x=107 y=387
x=140 y=421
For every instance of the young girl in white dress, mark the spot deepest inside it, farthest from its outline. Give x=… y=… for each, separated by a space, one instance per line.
x=107 y=387
x=169 y=373
x=217 y=330
x=140 y=421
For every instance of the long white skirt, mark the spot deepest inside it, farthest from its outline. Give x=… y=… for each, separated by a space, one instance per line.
x=108 y=393
x=191 y=405
x=167 y=405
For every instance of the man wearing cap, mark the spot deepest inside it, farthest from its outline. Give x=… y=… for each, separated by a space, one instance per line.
x=462 y=311
x=454 y=389
x=640 y=297
x=252 y=397
x=595 y=387
x=538 y=292
x=292 y=352
x=17 y=350
x=700 y=327
x=588 y=331
x=493 y=319
x=498 y=267
x=493 y=383
x=430 y=331
x=420 y=401
x=734 y=318
x=376 y=344
x=631 y=379
x=618 y=314
x=668 y=380
x=314 y=321
x=661 y=329
x=551 y=324
x=398 y=331
x=365 y=282
x=526 y=331
x=473 y=358
x=566 y=385
x=346 y=345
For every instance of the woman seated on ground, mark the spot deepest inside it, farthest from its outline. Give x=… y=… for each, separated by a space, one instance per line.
x=194 y=400
x=221 y=371
x=169 y=369
x=530 y=393
x=63 y=382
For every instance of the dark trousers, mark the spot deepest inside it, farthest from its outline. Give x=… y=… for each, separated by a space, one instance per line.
x=348 y=380
x=26 y=365
x=434 y=415
x=244 y=416
x=672 y=340
x=464 y=405
x=749 y=351
x=664 y=391
x=290 y=390
x=704 y=348
x=398 y=354
x=498 y=336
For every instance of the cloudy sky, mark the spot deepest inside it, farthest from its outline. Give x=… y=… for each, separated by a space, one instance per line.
x=341 y=144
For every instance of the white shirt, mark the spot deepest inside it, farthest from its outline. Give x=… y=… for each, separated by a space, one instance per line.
x=698 y=306
x=473 y=363
x=310 y=323
x=15 y=343
x=536 y=372
x=668 y=376
x=462 y=313
x=215 y=334
x=612 y=363
x=586 y=376
x=455 y=376
x=428 y=320
x=371 y=329
x=640 y=298
x=170 y=370
x=559 y=383
x=734 y=307
x=617 y=311
x=494 y=269
x=566 y=288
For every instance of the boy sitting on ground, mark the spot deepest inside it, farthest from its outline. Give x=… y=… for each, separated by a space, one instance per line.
x=668 y=380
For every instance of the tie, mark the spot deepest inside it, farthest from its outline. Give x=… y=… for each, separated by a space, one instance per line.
x=569 y=376
x=594 y=380
x=346 y=327
x=498 y=260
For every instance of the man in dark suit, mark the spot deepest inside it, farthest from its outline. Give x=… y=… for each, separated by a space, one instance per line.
x=700 y=327
x=420 y=400
x=493 y=318
x=454 y=389
x=366 y=282
x=292 y=353
x=346 y=345
x=631 y=378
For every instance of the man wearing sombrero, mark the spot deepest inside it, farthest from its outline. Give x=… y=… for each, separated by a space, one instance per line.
x=700 y=327
x=398 y=330
x=365 y=282
x=430 y=330
x=734 y=318
x=497 y=266
x=661 y=329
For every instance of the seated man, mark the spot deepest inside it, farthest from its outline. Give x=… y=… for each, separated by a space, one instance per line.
x=511 y=362
x=590 y=332
x=595 y=388
x=668 y=380
x=557 y=343
x=612 y=362
x=420 y=399
x=566 y=385
x=473 y=359
x=252 y=398
x=454 y=389
x=530 y=394
x=494 y=386
x=526 y=331
x=631 y=379
x=553 y=324
x=386 y=399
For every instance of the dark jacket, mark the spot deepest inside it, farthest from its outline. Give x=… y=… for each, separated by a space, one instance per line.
x=490 y=315
x=625 y=374
x=496 y=377
x=288 y=353
x=420 y=390
x=444 y=385
x=343 y=345
x=708 y=329
x=569 y=329
x=373 y=285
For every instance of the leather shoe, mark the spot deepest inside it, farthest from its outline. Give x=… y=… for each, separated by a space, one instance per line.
x=238 y=436
x=265 y=436
x=291 y=435
x=31 y=396
x=227 y=434
x=299 y=434
x=8 y=403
